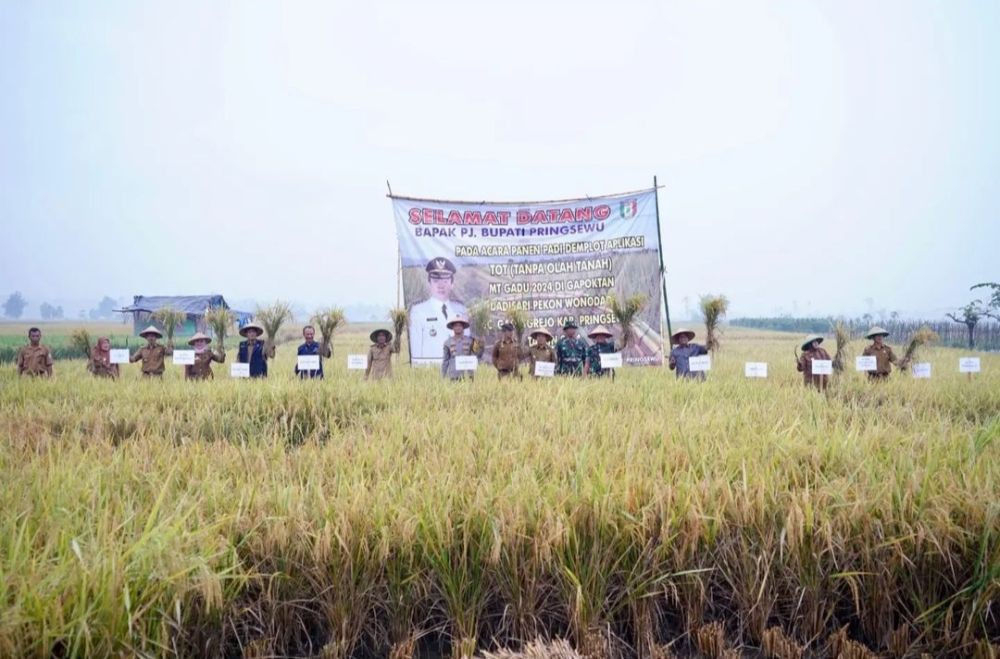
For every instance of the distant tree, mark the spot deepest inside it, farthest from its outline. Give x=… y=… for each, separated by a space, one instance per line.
x=969 y=315
x=57 y=313
x=867 y=318
x=46 y=311
x=993 y=304
x=15 y=305
x=105 y=308
x=894 y=315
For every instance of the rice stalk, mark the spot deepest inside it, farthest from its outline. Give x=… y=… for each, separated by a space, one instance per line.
x=518 y=317
x=626 y=310
x=170 y=319
x=81 y=342
x=479 y=317
x=220 y=320
x=272 y=317
x=399 y=318
x=922 y=337
x=842 y=334
x=713 y=310
x=328 y=321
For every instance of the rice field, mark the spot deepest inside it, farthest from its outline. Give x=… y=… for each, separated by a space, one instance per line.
x=418 y=518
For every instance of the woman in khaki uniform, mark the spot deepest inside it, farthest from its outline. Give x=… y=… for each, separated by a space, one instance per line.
x=100 y=360
x=380 y=356
x=203 y=358
x=541 y=351
x=811 y=351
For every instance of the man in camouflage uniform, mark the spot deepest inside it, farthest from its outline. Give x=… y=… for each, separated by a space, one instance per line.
x=884 y=356
x=34 y=359
x=571 y=351
x=603 y=344
x=459 y=345
x=507 y=353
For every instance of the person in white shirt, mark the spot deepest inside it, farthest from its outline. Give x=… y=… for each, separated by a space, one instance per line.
x=429 y=319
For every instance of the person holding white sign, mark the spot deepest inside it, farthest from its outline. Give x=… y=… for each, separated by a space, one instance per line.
x=253 y=351
x=311 y=348
x=883 y=354
x=540 y=351
x=152 y=355
x=100 y=360
x=201 y=369
x=811 y=351
x=682 y=353
x=380 y=356
x=603 y=343
x=459 y=345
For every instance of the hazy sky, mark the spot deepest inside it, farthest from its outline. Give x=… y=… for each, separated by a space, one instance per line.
x=814 y=154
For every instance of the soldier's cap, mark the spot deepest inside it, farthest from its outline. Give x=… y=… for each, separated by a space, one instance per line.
x=456 y=320
x=543 y=331
x=570 y=324
x=600 y=330
x=507 y=327
x=249 y=326
x=374 y=335
x=809 y=341
x=151 y=330
x=199 y=337
x=876 y=331
x=440 y=268
x=681 y=331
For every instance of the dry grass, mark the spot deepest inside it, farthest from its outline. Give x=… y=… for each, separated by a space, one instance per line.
x=713 y=310
x=922 y=337
x=221 y=320
x=399 y=318
x=343 y=518
x=328 y=321
x=272 y=318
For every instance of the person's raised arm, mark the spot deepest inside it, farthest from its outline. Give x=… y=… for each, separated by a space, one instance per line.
x=136 y=356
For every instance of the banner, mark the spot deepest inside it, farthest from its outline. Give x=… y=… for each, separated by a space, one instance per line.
x=557 y=261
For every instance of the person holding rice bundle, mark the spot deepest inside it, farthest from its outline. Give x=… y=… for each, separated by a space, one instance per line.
x=883 y=354
x=541 y=351
x=152 y=355
x=811 y=351
x=203 y=358
x=603 y=343
x=682 y=352
x=100 y=360
x=311 y=347
x=253 y=351
x=380 y=356
x=459 y=345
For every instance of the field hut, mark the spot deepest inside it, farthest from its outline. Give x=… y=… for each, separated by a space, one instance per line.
x=193 y=306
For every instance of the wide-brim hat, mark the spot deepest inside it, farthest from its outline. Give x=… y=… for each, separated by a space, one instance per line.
x=682 y=331
x=374 y=335
x=249 y=326
x=199 y=337
x=876 y=331
x=809 y=341
x=570 y=324
x=151 y=330
x=600 y=330
x=542 y=331
x=456 y=320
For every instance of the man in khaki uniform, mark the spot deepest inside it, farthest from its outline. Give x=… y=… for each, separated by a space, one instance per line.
x=507 y=354
x=152 y=355
x=810 y=352
x=203 y=358
x=541 y=351
x=380 y=356
x=34 y=359
x=884 y=356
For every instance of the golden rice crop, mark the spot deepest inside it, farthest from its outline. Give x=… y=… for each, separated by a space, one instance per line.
x=347 y=518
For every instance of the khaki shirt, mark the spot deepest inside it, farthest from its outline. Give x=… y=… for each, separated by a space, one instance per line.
x=506 y=355
x=379 y=362
x=537 y=353
x=152 y=358
x=805 y=366
x=34 y=360
x=100 y=365
x=884 y=358
x=202 y=367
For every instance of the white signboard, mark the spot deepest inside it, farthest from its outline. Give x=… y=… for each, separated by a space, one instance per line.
x=865 y=363
x=921 y=370
x=968 y=365
x=755 y=369
x=700 y=363
x=183 y=357
x=822 y=367
x=545 y=369
x=357 y=362
x=238 y=370
x=308 y=362
x=119 y=355
x=466 y=363
x=611 y=360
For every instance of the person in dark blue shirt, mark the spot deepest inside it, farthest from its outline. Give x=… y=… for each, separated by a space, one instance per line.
x=253 y=351
x=310 y=347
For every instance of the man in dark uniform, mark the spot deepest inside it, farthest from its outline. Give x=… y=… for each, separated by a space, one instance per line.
x=571 y=351
x=603 y=344
x=311 y=347
x=253 y=351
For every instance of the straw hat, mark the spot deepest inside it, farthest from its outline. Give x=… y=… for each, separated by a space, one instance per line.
x=600 y=330
x=199 y=337
x=249 y=326
x=374 y=335
x=683 y=330
x=543 y=332
x=809 y=340
x=876 y=331
x=151 y=330
x=456 y=320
